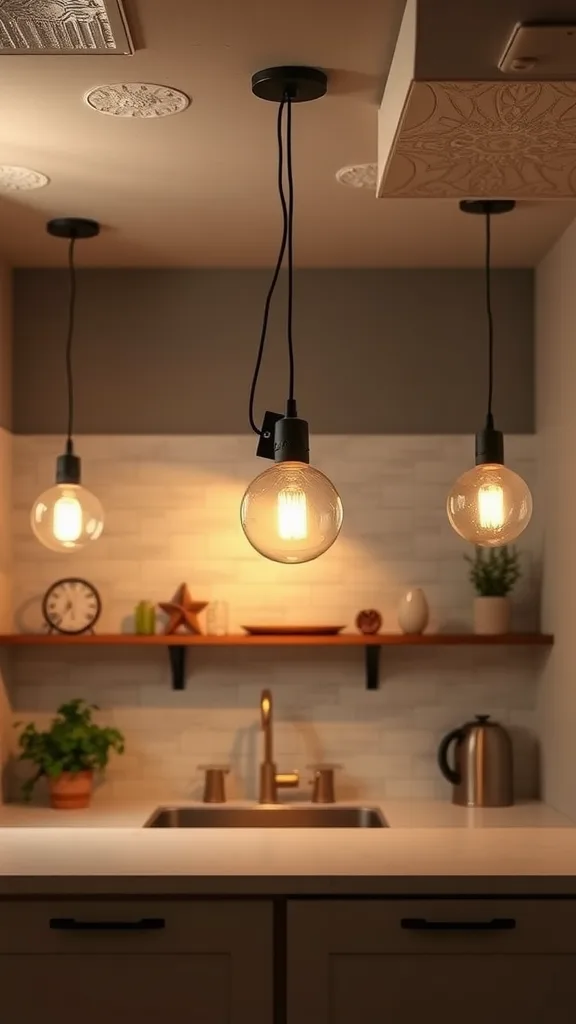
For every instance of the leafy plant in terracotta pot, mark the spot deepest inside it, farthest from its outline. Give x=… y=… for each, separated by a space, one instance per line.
x=494 y=574
x=68 y=754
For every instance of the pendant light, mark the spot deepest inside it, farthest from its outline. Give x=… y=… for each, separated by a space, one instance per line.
x=489 y=505
x=67 y=516
x=291 y=512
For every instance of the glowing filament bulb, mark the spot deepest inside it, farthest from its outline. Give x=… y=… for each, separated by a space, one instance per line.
x=491 y=507
x=292 y=513
x=67 y=524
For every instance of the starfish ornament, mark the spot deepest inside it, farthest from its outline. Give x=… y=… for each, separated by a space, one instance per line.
x=182 y=611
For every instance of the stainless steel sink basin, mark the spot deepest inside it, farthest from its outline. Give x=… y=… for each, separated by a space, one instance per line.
x=277 y=816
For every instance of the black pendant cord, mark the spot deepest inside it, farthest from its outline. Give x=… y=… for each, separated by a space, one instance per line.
x=69 y=340
x=276 y=273
x=489 y=442
x=284 y=437
x=487 y=269
x=291 y=408
x=68 y=468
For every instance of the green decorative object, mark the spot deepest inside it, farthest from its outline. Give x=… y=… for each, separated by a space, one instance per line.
x=73 y=745
x=495 y=572
x=145 y=618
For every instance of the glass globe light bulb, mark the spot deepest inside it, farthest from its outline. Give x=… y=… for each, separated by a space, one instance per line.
x=489 y=505
x=291 y=513
x=66 y=517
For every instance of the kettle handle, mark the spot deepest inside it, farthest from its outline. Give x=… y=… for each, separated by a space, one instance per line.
x=449 y=773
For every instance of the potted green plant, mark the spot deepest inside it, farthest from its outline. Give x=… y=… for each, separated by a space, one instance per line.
x=493 y=574
x=68 y=754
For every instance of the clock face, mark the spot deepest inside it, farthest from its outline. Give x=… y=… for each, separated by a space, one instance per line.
x=71 y=606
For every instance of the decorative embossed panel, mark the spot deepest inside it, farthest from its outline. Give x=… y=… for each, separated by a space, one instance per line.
x=461 y=139
x=63 y=26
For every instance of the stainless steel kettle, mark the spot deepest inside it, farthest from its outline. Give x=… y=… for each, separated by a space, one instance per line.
x=482 y=771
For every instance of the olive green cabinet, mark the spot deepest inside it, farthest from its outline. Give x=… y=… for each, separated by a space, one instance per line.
x=340 y=961
x=407 y=961
x=182 y=962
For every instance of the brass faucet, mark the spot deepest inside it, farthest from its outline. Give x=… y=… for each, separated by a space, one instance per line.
x=270 y=779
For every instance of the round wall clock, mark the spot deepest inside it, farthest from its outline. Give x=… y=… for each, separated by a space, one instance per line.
x=71 y=606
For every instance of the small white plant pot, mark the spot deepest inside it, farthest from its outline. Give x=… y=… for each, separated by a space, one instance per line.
x=492 y=615
x=413 y=612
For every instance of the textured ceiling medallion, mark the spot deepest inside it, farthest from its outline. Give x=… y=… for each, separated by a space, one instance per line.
x=137 y=99
x=358 y=176
x=64 y=26
x=21 y=179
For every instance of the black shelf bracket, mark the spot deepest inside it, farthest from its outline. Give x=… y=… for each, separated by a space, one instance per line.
x=372 y=667
x=177 y=655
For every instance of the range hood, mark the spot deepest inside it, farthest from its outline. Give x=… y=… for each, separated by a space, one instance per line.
x=510 y=135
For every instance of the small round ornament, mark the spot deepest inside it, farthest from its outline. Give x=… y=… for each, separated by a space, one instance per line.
x=369 y=621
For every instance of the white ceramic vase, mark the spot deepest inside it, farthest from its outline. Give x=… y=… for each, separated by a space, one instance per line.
x=491 y=615
x=413 y=611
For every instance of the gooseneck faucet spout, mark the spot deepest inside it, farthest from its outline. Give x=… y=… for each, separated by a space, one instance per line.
x=270 y=779
x=266 y=719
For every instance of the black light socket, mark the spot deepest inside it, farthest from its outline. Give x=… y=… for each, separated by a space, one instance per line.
x=291 y=440
x=489 y=445
x=68 y=469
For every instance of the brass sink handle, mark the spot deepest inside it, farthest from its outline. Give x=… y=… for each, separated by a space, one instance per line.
x=323 y=782
x=214 y=787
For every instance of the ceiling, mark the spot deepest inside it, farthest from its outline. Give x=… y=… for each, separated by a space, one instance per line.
x=198 y=189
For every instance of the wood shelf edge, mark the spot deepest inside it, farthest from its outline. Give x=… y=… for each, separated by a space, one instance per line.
x=240 y=640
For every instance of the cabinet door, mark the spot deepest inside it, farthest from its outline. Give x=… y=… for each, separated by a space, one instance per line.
x=388 y=962
x=198 y=963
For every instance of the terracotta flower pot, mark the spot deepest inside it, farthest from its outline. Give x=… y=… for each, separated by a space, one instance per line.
x=492 y=615
x=71 y=790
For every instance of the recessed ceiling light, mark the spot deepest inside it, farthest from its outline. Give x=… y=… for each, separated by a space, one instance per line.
x=137 y=99
x=358 y=176
x=21 y=179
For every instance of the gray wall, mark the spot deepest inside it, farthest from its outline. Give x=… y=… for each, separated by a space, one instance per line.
x=172 y=351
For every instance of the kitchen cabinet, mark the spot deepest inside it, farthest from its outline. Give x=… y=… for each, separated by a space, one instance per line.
x=404 y=961
x=341 y=961
x=71 y=961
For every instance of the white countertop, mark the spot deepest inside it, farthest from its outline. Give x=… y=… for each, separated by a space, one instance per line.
x=398 y=814
x=431 y=848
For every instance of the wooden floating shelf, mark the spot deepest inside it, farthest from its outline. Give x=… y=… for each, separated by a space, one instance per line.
x=274 y=640
x=178 y=643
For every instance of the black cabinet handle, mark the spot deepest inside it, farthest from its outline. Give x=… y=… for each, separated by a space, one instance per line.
x=70 y=924
x=420 y=924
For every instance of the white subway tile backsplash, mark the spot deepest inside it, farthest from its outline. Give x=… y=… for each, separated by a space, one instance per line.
x=172 y=515
x=416 y=789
